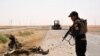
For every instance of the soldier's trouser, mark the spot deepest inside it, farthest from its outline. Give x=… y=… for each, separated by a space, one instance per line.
x=81 y=47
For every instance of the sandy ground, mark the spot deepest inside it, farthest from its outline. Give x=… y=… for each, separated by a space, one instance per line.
x=53 y=42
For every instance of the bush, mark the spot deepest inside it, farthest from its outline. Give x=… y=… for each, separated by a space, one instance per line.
x=25 y=33
x=3 y=38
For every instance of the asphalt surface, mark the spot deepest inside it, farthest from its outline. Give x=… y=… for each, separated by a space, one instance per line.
x=93 y=45
x=53 y=41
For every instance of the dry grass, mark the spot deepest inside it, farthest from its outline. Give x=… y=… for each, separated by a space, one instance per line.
x=34 y=38
x=94 y=30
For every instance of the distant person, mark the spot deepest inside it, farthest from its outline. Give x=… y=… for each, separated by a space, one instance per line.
x=78 y=31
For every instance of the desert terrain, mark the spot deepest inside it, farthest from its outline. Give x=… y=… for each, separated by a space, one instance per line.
x=51 y=39
x=28 y=37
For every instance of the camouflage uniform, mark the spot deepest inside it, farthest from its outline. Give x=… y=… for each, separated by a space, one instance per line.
x=78 y=31
x=80 y=38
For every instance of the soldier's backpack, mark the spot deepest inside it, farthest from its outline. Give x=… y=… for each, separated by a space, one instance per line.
x=83 y=23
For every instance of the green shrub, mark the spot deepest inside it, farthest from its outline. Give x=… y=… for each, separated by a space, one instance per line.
x=25 y=33
x=3 y=38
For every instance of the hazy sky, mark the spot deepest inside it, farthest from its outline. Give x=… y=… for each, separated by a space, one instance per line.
x=43 y=12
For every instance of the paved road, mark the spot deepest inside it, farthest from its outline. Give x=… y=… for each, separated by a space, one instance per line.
x=53 y=41
x=93 y=47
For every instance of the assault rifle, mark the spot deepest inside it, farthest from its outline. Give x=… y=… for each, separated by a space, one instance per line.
x=68 y=32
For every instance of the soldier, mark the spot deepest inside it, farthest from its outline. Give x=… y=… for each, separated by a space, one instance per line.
x=78 y=31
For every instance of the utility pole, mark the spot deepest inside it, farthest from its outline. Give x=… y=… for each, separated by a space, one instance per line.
x=10 y=22
x=95 y=23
